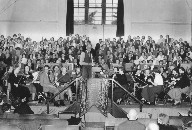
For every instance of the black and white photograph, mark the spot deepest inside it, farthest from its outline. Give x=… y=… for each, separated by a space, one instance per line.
x=95 y=64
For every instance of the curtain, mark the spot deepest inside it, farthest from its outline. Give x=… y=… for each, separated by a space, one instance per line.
x=120 y=19
x=69 y=18
x=127 y=17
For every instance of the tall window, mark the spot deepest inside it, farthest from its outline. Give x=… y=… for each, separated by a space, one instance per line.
x=95 y=11
x=79 y=11
x=111 y=11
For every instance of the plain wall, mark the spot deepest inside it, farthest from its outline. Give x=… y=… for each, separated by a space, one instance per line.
x=156 y=17
x=33 y=18
x=96 y=32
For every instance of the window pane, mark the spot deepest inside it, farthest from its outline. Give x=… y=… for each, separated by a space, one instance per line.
x=76 y=14
x=97 y=18
x=76 y=3
x=79 y=20
x=109 y=10
x=79 y=3
x=98 y=1
x=109 y=18
x=109 y=5
x=115 y=10
x=94 y=5
x=115 y=1
x=115 y=5
x=82 y=10
x=109 y=14
x=108 y=22
x=108 y=1
x=91 y=1
x=95 y=14
x=97 y=22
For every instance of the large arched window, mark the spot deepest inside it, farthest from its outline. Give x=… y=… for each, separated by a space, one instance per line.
x=95 y=11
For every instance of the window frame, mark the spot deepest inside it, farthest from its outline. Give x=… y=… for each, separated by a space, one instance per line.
x=103 y=12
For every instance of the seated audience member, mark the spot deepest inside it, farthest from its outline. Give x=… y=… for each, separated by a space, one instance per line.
x=131 y=123
x=152 y=126
x=163 y=122
x=181 y=85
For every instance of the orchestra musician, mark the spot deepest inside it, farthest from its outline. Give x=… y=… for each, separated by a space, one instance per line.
x=139 y=81
x=121 y=78
x=10 y=70
x=63 y=80
x=16 y=82
x=155 y=86
x=46 y=79
x=181 y=85
x=86 y=62
x=139 y=77
x=144 y=93
x=28 y=81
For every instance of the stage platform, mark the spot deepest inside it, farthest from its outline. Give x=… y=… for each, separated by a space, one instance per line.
x=148 y=111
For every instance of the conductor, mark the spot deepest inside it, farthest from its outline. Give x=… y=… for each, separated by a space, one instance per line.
x=86 y=61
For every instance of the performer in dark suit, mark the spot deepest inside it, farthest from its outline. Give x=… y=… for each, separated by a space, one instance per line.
x=86 y=63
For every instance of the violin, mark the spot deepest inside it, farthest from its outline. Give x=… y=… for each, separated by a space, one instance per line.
x=174 y=79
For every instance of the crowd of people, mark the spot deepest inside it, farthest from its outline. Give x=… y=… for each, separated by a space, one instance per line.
x=152 y=64
x=133 y=122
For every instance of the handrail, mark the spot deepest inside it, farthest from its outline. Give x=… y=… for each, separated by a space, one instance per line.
x=113 y=81
x=63 y=89
x=141 y=104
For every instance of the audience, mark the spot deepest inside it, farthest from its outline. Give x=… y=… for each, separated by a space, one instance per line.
x=144 y=53
x=152 y=126
x=163 y=122
x=131 y=123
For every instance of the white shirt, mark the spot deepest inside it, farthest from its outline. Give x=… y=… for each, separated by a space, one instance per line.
x=190 y=54
x=158 y=79
x=141 y=58
x=149 y=57
x=136 y=61
x=18 y=45
x=160 y=57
